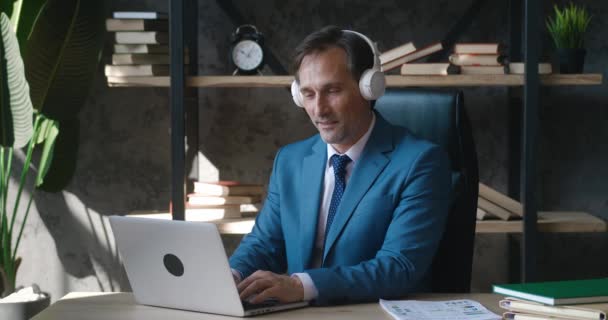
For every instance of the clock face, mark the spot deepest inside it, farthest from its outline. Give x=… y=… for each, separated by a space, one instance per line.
x=247 y=55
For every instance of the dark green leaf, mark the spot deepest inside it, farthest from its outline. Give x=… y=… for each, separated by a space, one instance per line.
x=62 y=56
x=15 y=91
x=48 y=132
x=63 y=164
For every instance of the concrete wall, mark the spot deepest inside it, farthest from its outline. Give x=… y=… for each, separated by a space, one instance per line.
x=123 y=162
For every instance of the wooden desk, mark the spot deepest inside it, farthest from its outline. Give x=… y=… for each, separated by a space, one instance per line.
x=549 y=221
x=97 y=306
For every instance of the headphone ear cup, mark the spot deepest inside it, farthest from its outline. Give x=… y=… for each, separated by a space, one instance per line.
x=296 y=95
x=372 y=84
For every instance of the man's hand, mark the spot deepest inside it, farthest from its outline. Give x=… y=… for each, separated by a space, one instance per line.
x=266 y=284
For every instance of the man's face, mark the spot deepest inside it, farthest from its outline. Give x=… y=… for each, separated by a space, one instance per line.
x=332 y=99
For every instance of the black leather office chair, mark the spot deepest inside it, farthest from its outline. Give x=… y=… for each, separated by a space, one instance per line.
x=440 y=117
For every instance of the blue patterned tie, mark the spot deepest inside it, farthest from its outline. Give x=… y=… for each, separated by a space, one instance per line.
x=339 y=163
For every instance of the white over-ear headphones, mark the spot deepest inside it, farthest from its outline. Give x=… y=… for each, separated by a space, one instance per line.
x=371 y=85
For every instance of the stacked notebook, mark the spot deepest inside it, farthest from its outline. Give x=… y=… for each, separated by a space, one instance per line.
x=575 y=299
x=141 y=45
x=224 y=200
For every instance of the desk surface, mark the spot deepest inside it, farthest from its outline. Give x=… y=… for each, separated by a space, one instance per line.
x=549 y=221
x=94 y=306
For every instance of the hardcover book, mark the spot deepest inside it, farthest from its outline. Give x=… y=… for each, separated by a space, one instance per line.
x=519 y=308
x=500 y=199
x=416 y=55
x=429 y=69
x=141 y=48
x=139 y=15
x=137 y=70
x=558 y=292
x=227 y=188
x=141 y=37
x=203 y=200
x=397 y=52
x=479 y=48
x=477 y=59
x=142 y=58
x=494 y=209
x=136 y=25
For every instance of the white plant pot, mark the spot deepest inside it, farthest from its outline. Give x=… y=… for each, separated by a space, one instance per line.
x=23 y=310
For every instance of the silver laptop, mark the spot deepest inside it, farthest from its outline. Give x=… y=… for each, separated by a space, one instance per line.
x=181 y=265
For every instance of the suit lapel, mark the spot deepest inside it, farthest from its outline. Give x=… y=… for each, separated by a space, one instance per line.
x=366 y=170
x=313 y=171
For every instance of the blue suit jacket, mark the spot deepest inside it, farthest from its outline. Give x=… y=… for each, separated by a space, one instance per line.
x=386 y=229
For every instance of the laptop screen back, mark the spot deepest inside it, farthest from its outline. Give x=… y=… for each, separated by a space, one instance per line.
x=177 y=264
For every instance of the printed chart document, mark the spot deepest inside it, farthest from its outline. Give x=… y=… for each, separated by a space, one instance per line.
x=437 y=310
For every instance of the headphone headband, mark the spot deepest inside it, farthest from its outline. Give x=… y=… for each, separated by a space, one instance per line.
x=371 y=45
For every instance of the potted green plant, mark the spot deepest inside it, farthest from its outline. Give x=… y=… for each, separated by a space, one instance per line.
x=567 y=29
x=22 y=127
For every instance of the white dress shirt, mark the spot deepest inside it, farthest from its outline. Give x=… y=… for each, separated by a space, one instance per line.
x=354 y=153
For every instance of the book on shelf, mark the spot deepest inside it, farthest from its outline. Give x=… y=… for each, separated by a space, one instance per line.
x=500 y=199
x=137 y=70
x=203 y=200
x=521 y=309
x=477 y=59
x=397 y=52
x=429 y=69
x=479 y=48
x=141 y=48
x=227 y=188
x=483 y=214
x=519 y=68
x=411 y=57
x=494 y=209
x=136 y=25
x=141 y=37
x=558 y=292
x=249 y=208
x=482 y=70
x=142 y=58
x=206 y=214
x=139 y=15
x=214 y=213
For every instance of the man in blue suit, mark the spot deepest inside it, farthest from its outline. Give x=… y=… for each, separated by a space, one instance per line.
x=356 y=212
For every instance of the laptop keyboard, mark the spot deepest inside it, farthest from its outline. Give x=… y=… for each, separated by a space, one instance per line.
x=265 y=304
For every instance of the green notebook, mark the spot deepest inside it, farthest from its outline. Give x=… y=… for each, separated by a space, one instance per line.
x=558 y=292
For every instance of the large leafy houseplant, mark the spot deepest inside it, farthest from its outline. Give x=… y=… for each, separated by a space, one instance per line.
x=567 y=29
x=61 y=43
x=22 y=127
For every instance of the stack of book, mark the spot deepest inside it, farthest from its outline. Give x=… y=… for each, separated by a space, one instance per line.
x=479 y=58
x=555 y=300
x=404 y=55
x=141 y=45
x=488 y=58
x=493 y=204
x=224 y=200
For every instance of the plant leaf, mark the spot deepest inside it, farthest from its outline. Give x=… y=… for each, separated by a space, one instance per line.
x=29 y=12
x=62 y=56
x=65 y=153
x=15 y=104
x=48 y=132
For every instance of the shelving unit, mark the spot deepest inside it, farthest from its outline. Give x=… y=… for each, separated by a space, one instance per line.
x=459 y=80
x=530 y=82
